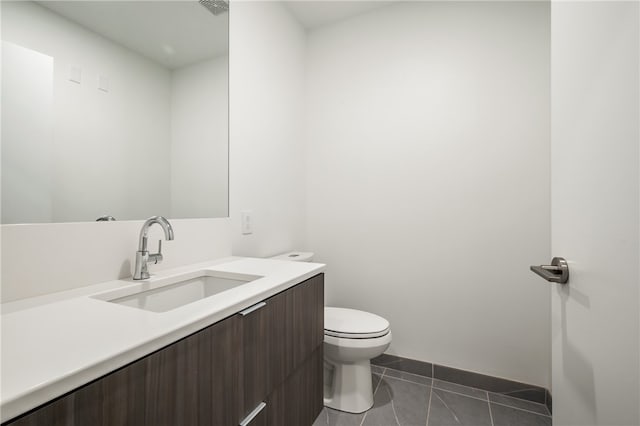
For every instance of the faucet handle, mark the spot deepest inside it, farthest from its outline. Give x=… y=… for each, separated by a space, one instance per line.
x=156 y=257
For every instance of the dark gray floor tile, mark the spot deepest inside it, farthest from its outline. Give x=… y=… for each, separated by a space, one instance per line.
x=465 y=390
x=489 y=383
x=390 y=372
x=507 y=416
x=447 y=408
x=377 y=369
x=398 y=402
x=518 y=403
x=329 y=417
x=404 y=364
x=382 y=412
x=375 y=379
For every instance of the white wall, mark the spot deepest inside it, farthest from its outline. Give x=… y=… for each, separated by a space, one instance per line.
x=595 y=213
x=112 y=139
x=267 y=54
x=27 y=168
x=40 y=259
x=428 y=178
x=199 y=139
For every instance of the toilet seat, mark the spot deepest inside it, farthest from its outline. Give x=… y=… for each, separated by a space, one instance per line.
x=353 y=324
x=356 y=336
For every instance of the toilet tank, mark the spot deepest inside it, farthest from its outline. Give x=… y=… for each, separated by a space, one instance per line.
x=296 y=256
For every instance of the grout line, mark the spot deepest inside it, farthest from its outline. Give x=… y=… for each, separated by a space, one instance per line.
x=484 y=390
x=407 y=372
x=393 y=407
x=364 y=417
x=517 y=399
x=521 y=409
x=429 y=406
x=374 y=394
x=450 y=410
x=379 y=381
x=466 y=386
x=520 y=390
x=384 y=370
x=463 y=394
x=489 y=404
x=408 y=381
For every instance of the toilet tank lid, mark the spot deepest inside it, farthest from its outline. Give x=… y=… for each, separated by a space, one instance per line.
x=297 y=256
x=352 y=321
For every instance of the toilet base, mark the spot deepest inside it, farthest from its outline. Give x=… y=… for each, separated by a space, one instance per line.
x=350 y=389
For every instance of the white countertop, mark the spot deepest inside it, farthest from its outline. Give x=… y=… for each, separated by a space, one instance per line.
x=56 y=343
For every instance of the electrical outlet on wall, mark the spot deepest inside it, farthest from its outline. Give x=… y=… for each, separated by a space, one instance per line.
x=246 y=222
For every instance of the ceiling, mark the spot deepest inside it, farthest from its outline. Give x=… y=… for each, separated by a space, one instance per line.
x=171 y=33
x=313 y=14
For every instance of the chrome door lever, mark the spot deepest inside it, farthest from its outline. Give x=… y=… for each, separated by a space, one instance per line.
x=557 y=272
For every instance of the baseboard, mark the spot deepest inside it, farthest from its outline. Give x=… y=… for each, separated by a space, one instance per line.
x=499 y=385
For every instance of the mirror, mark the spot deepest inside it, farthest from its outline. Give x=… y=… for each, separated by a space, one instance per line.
x=114 y=108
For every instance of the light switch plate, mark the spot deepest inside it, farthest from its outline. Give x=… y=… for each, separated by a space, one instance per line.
x=246 y=222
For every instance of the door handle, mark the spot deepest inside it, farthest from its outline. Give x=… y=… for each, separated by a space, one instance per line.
x=557 y=272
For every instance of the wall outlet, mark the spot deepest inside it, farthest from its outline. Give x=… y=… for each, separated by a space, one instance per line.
x=246 y=222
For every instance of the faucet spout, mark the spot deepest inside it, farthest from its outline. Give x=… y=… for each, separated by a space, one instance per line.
x=141 y=271
x=160 y=220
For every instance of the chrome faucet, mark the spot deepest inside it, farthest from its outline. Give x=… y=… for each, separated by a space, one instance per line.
x=143 y=257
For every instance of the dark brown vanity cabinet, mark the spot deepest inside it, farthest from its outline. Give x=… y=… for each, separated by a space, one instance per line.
x=271 y=354
x=281 y=337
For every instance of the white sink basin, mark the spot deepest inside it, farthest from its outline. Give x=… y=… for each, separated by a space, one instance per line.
x=169 y=294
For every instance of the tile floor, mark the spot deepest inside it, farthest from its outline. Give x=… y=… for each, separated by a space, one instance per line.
x=404 y=399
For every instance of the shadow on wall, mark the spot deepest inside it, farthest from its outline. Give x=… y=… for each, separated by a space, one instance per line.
x=578 y=370
x=125 y=269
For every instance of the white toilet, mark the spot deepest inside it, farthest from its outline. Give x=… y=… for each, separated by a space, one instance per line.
x=351 y=339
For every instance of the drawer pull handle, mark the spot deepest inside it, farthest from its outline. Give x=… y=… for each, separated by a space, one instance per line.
x=252 y=415
x=253 y=308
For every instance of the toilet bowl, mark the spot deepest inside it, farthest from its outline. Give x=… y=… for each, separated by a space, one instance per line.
x=351 y=339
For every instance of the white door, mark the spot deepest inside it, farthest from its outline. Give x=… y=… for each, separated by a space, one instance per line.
x=595 y=212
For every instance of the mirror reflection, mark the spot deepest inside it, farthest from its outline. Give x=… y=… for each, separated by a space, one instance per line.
x=114 y=109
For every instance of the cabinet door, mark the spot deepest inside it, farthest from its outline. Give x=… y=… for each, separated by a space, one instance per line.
x=278 y=335
x=191 y=382
x=266 y=362
x=307 y=310
x=195 y=381
x=299 y=399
